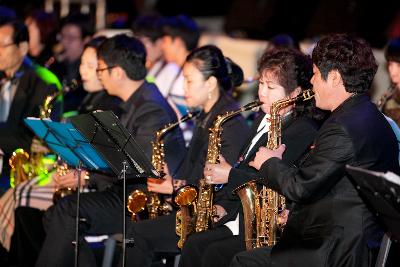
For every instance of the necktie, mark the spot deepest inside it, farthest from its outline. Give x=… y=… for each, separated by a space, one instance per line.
x=5 y=100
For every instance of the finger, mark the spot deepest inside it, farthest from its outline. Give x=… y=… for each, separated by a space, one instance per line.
x=282 y=148
x=221 y=159
x=251 y=164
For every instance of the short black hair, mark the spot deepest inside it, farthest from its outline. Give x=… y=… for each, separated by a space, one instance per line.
x=392 y=50
x=352 y=57
x=183 y=27
x=82 y=21
x=95 y=42
x=20 y=31
x=149 y=26
x=126 y=52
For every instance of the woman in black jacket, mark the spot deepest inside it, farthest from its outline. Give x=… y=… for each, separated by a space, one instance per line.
x=208 y=79
x=284 y=74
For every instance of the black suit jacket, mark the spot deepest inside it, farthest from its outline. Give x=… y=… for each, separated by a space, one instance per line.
x=145 y=112
x=235 y=132
x=297 y=134
x=29 y=96
x=329 y=224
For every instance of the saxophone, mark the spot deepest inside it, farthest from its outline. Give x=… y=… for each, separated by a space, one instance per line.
x=384 y=98
x=261 y=209
x=25 y=166
x=138 y=200
x=195 y=216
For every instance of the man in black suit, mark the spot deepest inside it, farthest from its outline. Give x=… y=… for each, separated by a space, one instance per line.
x=121 y=69
x=22 y=90
x=329 y=223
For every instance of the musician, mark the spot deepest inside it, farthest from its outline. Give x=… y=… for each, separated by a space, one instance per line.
x=76 y=30
x=329 y=224
x=33 y=198
x=149 y=29
x=121 y=70
x=42 y=28
x=284 y=74
x=22 y=88
x=208 y=81
x=391 y=104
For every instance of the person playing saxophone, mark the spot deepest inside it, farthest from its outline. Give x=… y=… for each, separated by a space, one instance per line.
x=208 y=81
x=330 y=223
x=284 y=74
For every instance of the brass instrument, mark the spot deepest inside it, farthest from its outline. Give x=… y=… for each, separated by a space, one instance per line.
x=384 y=98
x=261 y=209
x=195 y=216
x=137 y=200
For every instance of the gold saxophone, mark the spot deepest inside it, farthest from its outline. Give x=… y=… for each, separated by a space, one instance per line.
x=261 y=209
x=195 y=216
x=384 y=98
x=138 y=200
x=25 y=166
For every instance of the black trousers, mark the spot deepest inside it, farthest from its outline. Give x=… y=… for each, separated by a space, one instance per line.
x=215 y=247
x=103 y=214
x=259 y=257
x=27 y=238
x=151 y=237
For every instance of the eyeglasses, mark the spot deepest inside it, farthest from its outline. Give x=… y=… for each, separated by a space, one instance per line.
x=98 y=71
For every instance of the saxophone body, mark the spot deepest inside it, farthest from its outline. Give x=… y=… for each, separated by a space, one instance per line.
x=139 y=200
x=195 y=215
x=261 y=208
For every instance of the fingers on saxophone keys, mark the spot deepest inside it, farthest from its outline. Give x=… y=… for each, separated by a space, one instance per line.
x=209 y=179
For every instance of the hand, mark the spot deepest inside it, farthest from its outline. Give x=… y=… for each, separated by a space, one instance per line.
x=163 y=186
x=263 y=154
x=282 y=217
x=69 y=179
x=38 y=147
x=217 y=173
x=218 y=213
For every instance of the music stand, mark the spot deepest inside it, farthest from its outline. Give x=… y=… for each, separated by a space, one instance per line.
x=382 y=193
x=73 y=148
x=100 y=144
x=123 y=154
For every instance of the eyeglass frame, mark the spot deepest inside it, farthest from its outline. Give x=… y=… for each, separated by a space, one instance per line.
x=98 y=71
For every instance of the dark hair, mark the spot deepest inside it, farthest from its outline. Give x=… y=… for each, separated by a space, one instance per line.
x=392 y=50
x=95 y=42
x=182 y=27
x=210 y=61
x=82 y=21
x=6 y=14
x=126 y=52
x=47 y=24
x=20 y=31
x=149 y=26
x=351 y=57
x=292 y=68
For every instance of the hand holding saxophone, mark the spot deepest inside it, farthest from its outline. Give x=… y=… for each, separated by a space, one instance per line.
x=218 y=213
x=264 y=154
x=163 y=186
x=69 y=180
x=217 y=173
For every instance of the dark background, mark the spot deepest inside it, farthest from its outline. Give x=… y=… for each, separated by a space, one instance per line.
x=375 y=21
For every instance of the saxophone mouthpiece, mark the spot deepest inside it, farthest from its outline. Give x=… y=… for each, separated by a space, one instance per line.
x=72 y=86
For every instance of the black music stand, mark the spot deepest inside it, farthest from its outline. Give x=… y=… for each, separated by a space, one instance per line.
x=100 y=143
x=122 y=153
x=382 y=193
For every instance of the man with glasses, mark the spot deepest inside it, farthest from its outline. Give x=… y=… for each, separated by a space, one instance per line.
x=76 y=30
x=121 y=69
x=22 y=90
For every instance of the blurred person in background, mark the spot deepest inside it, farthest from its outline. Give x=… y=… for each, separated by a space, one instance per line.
x=76 y=31
x=42 y=28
